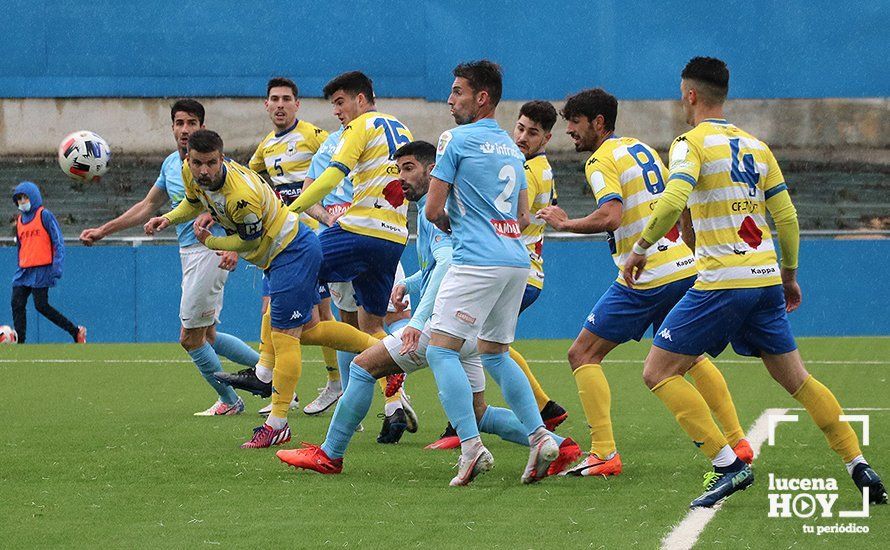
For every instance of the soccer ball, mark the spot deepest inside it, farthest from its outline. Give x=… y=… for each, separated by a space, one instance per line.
x=84 y=156
x=8 y=335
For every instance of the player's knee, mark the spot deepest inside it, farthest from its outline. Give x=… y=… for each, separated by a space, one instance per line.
x=580 y=355
x=191 y=339
x=651 y=377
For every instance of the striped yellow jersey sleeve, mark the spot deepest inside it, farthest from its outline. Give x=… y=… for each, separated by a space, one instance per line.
x=246 y=205
x=364 y=153
x=628 y=170
x=539 y=176
x=731 y=174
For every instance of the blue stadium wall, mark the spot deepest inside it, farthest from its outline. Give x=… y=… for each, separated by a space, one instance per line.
x=131 y=294
x=154 y=48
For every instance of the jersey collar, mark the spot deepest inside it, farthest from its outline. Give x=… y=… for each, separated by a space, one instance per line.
x=291 y=129
x=536 y=155
x=716 y=121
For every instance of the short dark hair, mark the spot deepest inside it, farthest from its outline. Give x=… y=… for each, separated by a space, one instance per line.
x=353 y=83
x=540 y=112
x=280 y=81
x=711 y=74
x=423 y=151
x=205 y=141
x=483 y=75
x=187 y=105
x=592 y=103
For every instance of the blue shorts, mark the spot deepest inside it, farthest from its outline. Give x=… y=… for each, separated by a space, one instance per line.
x=622 y=314
x=368 y=262
x=753 y=320
x=528 y=298
x=323 y=290
x=293 y=281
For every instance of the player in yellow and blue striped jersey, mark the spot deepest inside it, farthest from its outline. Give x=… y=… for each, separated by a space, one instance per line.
x=627 y=178
x=263 y=232
x=729 y=180
x=285 y=156
x=365 y=244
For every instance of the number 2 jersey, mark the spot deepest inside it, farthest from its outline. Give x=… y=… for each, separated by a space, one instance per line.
x=732 y=174
x=628 y=170
x=364 y=154
x=485 y=171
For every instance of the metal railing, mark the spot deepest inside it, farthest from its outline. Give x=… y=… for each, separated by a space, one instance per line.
x=139 y=240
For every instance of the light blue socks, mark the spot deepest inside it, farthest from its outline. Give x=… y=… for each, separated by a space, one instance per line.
x=208 y=363
x=514 y=385
x=235 y=350
x=351 y=410
x=454 y=390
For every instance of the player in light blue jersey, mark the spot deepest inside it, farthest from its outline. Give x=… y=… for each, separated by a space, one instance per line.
x=404 y=350
x=204 y=272
x=477 y=193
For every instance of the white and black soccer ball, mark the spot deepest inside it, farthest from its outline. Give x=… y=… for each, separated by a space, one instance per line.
x=84 y=156
x=8 y=335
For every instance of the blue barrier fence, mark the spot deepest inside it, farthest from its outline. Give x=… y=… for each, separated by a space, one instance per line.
x=108 y=48
x=131 y=294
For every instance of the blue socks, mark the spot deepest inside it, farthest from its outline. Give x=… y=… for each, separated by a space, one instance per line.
x=351 y=410
x=233 y=349
x=208 y=362
x=344 y=359
x=454 y=390
x=396 y=325
x=514 y=385
x=504 y=424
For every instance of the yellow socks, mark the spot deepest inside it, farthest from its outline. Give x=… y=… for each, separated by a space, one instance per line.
x=330 y=363
x=824 y=409
x=596 y=399
x=288 y=367
x=337 y=335
x=267 y=350
x=711 y=385
x=692 y=413
x=541 y=396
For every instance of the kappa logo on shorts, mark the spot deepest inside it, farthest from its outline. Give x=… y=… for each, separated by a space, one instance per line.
x=591 y=318
x=296 y=315
x=666 y=334
x=465 y=317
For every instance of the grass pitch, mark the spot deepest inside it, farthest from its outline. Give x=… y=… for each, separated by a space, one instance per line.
x=100 y=449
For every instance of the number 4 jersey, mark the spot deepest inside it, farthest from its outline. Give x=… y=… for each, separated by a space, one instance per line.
x=485 y=170
x=364 y=154
x=627 y=170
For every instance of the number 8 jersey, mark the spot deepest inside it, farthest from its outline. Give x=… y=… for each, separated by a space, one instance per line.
x=364 y=154
x=485 y=171
x=627 y=170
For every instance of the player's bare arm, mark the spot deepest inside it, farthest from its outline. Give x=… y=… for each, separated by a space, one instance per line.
x=435 y=204
x=137 y=214
x=522 y=215
x=605 y=218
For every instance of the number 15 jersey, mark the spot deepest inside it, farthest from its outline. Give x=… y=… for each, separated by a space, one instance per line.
x=364 y=154
x=485 y=171
x=627 y=170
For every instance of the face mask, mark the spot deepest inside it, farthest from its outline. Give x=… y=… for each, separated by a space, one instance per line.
x=25 y=206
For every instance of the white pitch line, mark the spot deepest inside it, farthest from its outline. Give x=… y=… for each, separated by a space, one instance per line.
x=541 y=361
x=686 y=533
x=115 y=361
